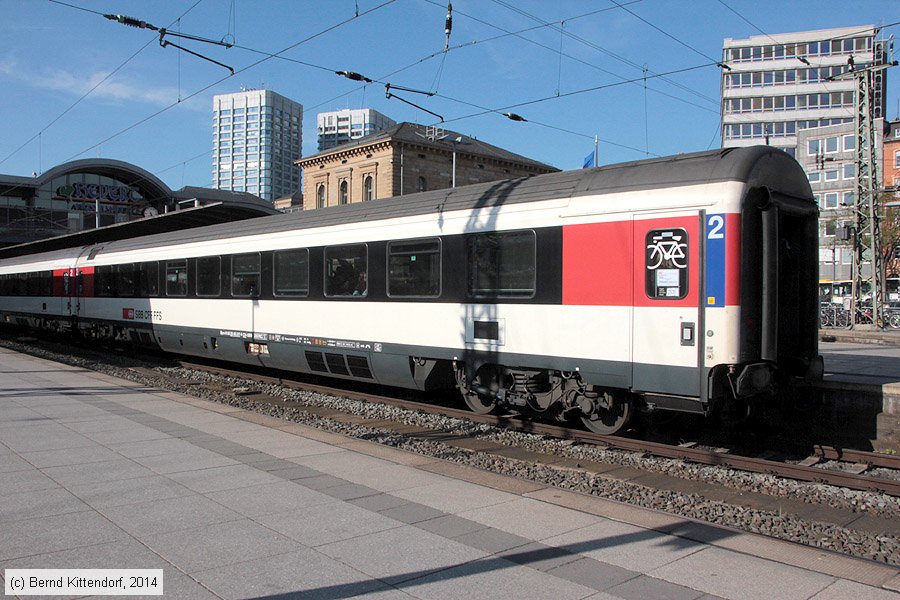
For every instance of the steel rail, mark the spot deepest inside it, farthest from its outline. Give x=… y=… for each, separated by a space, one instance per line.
x=696 y=455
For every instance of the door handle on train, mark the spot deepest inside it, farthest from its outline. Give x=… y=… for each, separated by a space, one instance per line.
x=687 y=334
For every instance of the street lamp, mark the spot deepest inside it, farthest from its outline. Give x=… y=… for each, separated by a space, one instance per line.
x=457 y=140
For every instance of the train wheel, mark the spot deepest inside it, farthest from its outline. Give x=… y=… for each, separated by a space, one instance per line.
x=609 y=415
x=480 y=395
x=479 y=404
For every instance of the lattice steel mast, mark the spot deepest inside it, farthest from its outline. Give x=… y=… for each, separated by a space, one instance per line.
x=867 y=230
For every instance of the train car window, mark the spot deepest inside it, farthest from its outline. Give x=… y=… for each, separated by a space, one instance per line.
x=34 y=283
x=148 y=279
x=291 y=272
x=176 y=278
x=414 y=269
x=105 y=280
x=245 y=275
x=46 y=283
x=125 y=280
x=666 y=262
x=502 y=265
x=209 y=280
x=17 y=284
x=346 y=271
x=30 y=284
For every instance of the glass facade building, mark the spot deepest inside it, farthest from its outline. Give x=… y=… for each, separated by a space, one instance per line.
x=778 y=85
x=341 y=126
x=257 y=136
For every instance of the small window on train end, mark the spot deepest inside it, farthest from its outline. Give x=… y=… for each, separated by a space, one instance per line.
x=209 y=276
x=502 y=264
x=245 y=275
x=346 y=271
x=291 y=272
x=414 y=268
x=666 y=262
x=176 y=278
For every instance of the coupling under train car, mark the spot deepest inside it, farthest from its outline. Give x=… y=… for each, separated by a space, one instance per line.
x=684 y=283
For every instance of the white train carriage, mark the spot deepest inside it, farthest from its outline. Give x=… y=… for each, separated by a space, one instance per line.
x=678 y=283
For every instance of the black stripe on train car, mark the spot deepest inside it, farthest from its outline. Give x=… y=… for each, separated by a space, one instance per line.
x=454 y=275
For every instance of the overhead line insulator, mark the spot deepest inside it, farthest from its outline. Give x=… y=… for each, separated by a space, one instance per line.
x=131 y=22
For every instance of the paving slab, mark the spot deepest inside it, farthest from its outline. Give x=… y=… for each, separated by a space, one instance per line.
x=327 y=523
x=626 y=546
x=70 y=456
x=741 y=577
x=218 y=479
x=128 y=491
x=31 y=480
x=167 y=515
x=492 y=578
x=43 y=503
x=218 y=545
x=58 y=532
x=304 y=573
x=850 y=590
x=406 y=553
x=530 y=518
x=269 y=499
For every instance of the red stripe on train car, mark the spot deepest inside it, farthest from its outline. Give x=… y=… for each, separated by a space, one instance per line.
x=597 y=264
x=60 y=280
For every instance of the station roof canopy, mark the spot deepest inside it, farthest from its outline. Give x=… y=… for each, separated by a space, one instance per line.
x=209 y=214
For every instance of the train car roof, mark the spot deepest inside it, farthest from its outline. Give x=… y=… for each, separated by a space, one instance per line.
x=754 y=166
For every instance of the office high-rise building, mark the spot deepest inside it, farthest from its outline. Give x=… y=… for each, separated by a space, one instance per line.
x=256 y=139
x=779 y=84
x=341 y=126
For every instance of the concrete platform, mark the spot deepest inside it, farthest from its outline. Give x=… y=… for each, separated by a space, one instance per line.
x=99 y=473
x=863 y=368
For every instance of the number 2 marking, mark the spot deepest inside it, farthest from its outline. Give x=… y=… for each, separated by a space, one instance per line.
x=716 y=223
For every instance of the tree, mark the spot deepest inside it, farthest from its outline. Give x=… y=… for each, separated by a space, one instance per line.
x=889 y=204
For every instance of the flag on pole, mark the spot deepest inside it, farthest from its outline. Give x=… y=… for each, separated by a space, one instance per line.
x=589 y=161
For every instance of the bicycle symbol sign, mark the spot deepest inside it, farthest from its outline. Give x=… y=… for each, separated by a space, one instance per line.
x=667 y=248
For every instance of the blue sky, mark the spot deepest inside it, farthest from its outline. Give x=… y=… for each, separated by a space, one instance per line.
x=155 y=110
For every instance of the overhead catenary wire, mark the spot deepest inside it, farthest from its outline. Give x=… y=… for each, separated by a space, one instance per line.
x=484 y=110
x=542 y=25
x=439 y=52
x=601 y=49
x=97 y=85
x=248 y=67
x=566 y=94
x=667 y=34
x=180 y=101
x=506 y=34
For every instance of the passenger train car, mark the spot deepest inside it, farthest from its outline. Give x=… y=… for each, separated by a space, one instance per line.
x=682 y=283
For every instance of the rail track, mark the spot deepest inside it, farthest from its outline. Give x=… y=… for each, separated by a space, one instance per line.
x=853 y=476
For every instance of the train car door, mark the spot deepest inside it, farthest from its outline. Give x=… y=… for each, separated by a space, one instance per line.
x=62 y=291
x=83 y=289
x=666 y=323
x=80 y=284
